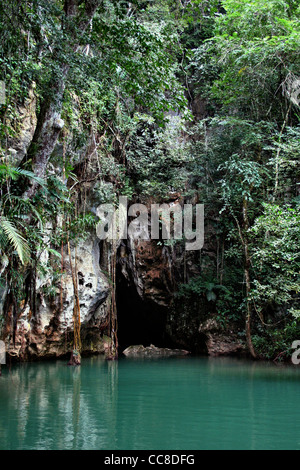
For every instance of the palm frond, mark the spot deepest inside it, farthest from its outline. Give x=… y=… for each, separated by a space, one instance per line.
x=22 y=207
x=15 y=238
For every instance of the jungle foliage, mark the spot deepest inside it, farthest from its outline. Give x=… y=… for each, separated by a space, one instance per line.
x=113 y=86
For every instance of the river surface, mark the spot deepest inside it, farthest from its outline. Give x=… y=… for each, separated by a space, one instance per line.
x=162 y=404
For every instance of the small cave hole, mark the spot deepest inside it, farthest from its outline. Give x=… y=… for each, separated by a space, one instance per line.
x=80 y=278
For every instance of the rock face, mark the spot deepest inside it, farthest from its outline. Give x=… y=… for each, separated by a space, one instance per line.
x=225 y=345
x=27 y=124
x=50 y=332
x=147 y=312
x=153 y=351
x=149 y=273
x=148 y=266
x=220 y=343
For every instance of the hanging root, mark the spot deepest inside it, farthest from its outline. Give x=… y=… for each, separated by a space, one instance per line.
x=75 y=359
x=75 y=355
x=112 y=354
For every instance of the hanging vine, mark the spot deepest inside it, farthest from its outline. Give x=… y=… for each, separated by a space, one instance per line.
x=113 y=317
x=75 y=355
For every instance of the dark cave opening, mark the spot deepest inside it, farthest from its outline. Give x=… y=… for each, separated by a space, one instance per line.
x=145 y=322
x=139 y=321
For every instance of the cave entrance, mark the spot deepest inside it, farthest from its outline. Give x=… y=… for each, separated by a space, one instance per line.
x=139 y=321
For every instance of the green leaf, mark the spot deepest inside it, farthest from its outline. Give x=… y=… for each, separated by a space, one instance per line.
x=15 y=238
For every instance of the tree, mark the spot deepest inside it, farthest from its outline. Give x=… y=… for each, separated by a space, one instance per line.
x=275 y=237
x=94 y=68
x=71 y=43
x=247 y=72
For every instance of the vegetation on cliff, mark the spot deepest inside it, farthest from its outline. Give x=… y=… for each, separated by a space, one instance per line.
x=145 y=99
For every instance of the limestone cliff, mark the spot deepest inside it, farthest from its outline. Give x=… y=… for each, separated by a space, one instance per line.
x=50 y=332
x=149 y=273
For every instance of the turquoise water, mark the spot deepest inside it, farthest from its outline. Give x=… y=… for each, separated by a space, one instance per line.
x=163 y=404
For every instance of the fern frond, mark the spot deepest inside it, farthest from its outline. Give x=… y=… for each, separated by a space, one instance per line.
x=30 y=175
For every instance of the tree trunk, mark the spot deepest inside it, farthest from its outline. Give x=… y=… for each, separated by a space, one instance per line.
x=49 y=122
x=46 y=134
x=247 y=278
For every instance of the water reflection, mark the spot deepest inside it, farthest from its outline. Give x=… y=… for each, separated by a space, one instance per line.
x=184 y=403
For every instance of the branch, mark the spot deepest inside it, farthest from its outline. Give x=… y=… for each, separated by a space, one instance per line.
x=278 y=152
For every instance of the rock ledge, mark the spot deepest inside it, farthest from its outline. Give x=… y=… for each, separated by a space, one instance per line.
x=152 y=351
